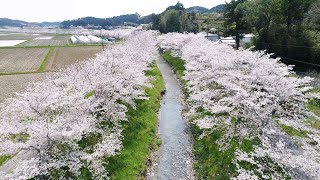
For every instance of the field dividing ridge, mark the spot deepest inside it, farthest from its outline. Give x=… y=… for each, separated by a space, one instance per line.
x=43 y=65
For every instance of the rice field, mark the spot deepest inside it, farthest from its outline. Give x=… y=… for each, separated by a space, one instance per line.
x=8 y=43
x=16 y=83
x=17 y=36
x=21 y=59
x=65 y=56
x=24 y=59
x=48 y=40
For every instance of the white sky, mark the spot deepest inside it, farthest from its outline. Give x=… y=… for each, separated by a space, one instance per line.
x=59 y=10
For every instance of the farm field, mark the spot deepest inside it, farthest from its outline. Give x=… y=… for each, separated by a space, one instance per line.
x=25 y=62
x=224 y=117
x=21 y=60
x=17 y=36
x=7 y=43
x=17 y=83
x=48 y=40
x=65 y=56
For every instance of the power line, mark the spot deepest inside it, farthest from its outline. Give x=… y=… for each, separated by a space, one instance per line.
x=303 y=62
x=295 y=60
x=290 y=45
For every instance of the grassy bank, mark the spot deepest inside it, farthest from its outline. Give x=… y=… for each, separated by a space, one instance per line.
x=140 y=134
x=178 y=66
x=140 y=137
x=210 y=162
x=3 y=159
x=313 y=105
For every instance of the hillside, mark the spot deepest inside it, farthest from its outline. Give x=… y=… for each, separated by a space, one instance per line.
x=128 y=19
x=199 y=9
x=19 y=23
x=10 y=22
x=218 y=8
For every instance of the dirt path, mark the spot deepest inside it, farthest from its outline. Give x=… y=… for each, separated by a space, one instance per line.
x=175 y=160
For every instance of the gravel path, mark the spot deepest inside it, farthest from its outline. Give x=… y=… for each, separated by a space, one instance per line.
x=175 y=160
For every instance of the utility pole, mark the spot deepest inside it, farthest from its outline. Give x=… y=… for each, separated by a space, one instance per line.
x=101 y=39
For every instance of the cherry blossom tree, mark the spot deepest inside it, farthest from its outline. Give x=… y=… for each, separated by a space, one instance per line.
x=116 y=33
x=72 y=119
x=247 y=94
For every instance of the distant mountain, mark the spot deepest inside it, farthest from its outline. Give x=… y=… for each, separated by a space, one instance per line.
x=10 y=22
x=18 y=23
x=128 y=19
x=197 y=9
x=48 y=23
x=219 y=8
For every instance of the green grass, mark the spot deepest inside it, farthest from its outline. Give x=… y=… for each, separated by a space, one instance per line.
x=3 y=159
x=140 y=134
x=210 y=162
x=313 y=105
x=314 y=90
x=314 y=123
x=140 y=137
x=176 y=63
x=43 y=65
x=16 y=73
x=292 y=131
x=90 y=94
x=178 y=66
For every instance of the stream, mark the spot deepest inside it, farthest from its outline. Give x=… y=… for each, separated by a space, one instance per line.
x=175 y=160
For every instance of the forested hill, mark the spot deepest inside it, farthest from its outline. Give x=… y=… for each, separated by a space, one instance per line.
x=131 y=19
x=10 y=22
x=199 y=9
x=18 y=23
x=128 y=19
x=219 y=8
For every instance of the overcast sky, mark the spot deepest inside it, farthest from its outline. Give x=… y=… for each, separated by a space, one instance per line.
x=59 y=10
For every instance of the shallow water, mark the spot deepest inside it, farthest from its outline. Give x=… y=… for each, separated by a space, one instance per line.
x=175 y=160
x=6 y=43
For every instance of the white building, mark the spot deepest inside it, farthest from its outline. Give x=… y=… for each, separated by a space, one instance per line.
x=229 y=41
x=247 y=38
x=88 y=40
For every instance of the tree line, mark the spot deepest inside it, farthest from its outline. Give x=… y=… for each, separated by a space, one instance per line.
x=128 y=19
x=287 y=28
x=174 y=19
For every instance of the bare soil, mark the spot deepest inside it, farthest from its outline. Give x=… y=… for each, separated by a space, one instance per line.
x=11 y=84
x=16 y=36
x=57 y=40
x=21 y=59
x=65 y=56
